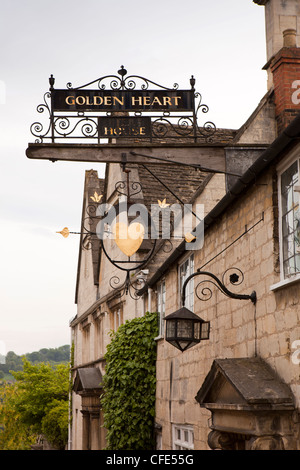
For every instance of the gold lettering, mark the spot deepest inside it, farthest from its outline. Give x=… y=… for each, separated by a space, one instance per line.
x=156 y=100
x=167 y=100
x=107 y=100
x=68 y=100
x=108 y=131
x=96 y=102
x=147 y=101
x=88 y=101
x=80 y=100
x=142 y=130
x=121 y=101
x=176 y=98
x=139 y=100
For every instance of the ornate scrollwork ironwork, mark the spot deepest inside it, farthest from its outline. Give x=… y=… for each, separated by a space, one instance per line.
x=122 y=82
x=128 y=190
x=85 y=125
x=206 y=293
x=128 y=286
x=37 y=128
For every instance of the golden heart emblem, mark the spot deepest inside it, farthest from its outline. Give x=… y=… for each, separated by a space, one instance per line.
x=128 y=238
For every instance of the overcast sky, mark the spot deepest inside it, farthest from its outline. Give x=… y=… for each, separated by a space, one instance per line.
x=221 y=43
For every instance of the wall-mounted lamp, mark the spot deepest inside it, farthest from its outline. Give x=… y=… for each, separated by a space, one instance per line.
x=184 y=329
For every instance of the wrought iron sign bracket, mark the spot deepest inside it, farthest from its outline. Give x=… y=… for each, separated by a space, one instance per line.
x=206 y=292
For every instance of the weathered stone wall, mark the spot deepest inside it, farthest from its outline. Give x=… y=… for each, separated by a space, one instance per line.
x=238 y=327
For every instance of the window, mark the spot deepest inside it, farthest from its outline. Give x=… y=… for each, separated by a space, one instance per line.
x=161 y=306
x=85 y=328
x=98 y=337
x=183 y=437
x=116 y=319
x=185 y=270
x=289 y=214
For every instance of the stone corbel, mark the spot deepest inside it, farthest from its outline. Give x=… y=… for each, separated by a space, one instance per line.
x=220 y=441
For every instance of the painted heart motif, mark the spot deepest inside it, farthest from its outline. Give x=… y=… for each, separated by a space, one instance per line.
x=128 y=238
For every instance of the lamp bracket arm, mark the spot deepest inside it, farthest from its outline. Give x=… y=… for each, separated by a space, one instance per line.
x=220 y=285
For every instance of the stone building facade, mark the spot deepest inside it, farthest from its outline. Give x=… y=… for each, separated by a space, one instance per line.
x=239 y=389
x=243 y=335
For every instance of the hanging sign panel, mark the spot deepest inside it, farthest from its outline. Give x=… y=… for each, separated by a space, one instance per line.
x=114 y=127
x=128 y=100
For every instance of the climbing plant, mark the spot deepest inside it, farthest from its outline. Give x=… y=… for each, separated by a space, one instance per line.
x=129 y=385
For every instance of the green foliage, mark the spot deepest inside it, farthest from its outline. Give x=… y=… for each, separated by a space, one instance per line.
x=14 y=434
x=55 y=423
x=129 y=385
x=39 y=403
x=13 y=362
x=54 y=355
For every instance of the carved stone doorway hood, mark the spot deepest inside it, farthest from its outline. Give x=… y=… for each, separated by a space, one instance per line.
x=252 y=409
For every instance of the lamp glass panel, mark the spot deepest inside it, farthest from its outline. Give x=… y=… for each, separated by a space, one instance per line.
x=205 y=330
x=171 y=328
x=185 y=329
x=197 y=329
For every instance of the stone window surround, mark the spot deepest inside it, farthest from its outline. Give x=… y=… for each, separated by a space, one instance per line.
x=282 y=166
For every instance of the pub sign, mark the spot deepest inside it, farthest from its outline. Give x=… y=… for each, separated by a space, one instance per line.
x=114 y=107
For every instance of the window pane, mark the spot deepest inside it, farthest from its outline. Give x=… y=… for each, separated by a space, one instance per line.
x=183 y=437
x=288 y=179
x=290 y=220
x=186 y=269
x=161 y=302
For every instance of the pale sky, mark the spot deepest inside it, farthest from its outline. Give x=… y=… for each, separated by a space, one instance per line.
x=220 y=42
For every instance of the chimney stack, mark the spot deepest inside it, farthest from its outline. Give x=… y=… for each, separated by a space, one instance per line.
x=282 y=19
x=285 y=68
x=289 y=38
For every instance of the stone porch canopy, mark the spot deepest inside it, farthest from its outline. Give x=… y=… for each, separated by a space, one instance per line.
x=88 y=381
x=251 y=407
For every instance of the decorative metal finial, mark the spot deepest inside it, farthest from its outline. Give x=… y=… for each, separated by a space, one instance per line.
x=122 y=71
x=51 y=81
x=192 y=82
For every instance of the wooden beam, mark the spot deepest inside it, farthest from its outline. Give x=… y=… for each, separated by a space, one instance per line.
x=211 y=157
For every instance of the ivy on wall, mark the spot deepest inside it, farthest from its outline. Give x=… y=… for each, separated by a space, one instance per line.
x=129 y=385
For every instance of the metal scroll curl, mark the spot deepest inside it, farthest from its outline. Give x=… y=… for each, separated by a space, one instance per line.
x=236 y=277
x=124 y=188
x=37 y=128
x=115 y=82
x=208 y=129
x=86 y=126
x=128 y=286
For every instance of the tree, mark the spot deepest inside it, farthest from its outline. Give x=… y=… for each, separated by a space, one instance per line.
x=14 y=434
x=39 y=402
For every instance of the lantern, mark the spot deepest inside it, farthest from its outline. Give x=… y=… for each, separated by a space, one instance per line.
x=184 y=329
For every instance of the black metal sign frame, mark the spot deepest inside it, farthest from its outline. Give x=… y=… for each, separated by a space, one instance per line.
x=79 y=113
